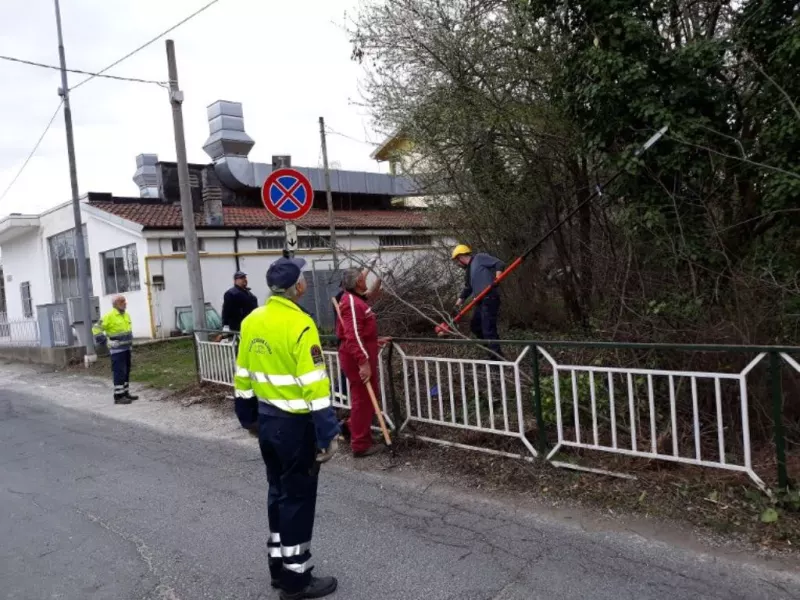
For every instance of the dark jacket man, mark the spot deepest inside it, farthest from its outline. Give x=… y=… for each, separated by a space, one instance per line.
x=237 y=303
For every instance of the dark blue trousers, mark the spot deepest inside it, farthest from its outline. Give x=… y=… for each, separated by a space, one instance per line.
x=289 y=449
x=121 y=369
x=484 y=323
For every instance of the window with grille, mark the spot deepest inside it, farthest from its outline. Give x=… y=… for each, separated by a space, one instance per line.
x=270 y=243
x=64 y=265
x=395 y=241
x=311 y=242
x=179 y=244
x=27 y=299
x=121 y=270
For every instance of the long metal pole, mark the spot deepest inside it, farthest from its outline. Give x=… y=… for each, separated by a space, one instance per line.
x=80 y=247
x=187 y=209
x=444 y=328
x=328 y=194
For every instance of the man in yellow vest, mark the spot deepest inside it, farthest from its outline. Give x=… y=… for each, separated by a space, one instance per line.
x=114 y=330
x=281 y=365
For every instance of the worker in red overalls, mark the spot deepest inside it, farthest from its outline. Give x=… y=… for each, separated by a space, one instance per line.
x=357 y=330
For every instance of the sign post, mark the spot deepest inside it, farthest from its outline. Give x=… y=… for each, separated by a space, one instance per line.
x=287 y=194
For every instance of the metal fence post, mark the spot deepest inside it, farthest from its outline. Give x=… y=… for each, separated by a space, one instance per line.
x=397 y=417
x=537 y=402
x=196 y=357
x=777 y=417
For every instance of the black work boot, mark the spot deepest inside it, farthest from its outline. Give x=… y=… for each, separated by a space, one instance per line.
x=275 y=571
x=131 y=397
x=318 y=587
x=122 y=400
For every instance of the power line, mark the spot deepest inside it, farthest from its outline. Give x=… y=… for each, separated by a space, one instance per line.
x=366 y=143
x=145 y=45
x=55 y=68
x=100 y=73
x=35 y=148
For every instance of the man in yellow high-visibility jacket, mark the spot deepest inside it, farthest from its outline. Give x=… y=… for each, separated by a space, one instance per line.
x=115 y=330
x=281 y=366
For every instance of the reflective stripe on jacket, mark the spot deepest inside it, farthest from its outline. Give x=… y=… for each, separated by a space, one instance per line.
x=280 y=359
x=358 y=329
x=115 y=326
x=281 y=364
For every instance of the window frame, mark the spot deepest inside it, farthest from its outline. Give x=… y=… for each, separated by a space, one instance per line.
x=62 y=281
x=131 y=266
x=415 y=239
x=27 y=303
x=314 y=242
x=201 y=245
x=281 y=243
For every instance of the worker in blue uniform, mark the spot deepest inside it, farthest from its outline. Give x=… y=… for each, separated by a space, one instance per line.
x=480 y=272
x=115 y=331
x=281 y=365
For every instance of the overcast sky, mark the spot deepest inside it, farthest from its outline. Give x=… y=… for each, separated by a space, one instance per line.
x=288 y=63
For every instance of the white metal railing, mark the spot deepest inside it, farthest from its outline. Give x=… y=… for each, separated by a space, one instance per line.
x=217 y=360
x=340 y=387
x=475 y=395
x=593 y=395
x=792 y=362
x=19 y=332
x=217 y=364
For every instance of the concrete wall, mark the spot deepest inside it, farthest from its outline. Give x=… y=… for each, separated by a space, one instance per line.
x=58 y=357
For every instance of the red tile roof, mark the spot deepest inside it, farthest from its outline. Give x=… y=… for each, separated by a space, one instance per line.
x=168 y=216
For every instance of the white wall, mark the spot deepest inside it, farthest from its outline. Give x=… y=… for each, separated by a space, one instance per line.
x=103 y=236
x=27 y=259
x=24 y=259
x=217 y=271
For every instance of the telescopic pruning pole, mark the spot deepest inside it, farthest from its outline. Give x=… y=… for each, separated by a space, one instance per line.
x=444 y=328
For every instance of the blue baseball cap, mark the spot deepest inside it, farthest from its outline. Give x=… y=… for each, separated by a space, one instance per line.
x=284 y=273
x=239 y=275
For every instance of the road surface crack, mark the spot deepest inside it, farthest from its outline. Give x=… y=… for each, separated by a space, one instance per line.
x=161 y=591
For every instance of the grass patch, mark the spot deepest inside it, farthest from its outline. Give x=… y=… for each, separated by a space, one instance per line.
x=164 y=365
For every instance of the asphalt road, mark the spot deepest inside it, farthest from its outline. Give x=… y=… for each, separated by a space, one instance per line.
x=94 y=507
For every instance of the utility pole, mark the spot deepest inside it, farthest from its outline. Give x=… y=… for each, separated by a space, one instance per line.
x=80 y=247
x=328 y=194
x=187 y=209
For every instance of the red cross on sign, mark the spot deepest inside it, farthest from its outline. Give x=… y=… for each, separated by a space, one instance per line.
x=287 y=194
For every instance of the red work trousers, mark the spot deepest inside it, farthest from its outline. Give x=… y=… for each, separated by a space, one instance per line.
x=361 y=411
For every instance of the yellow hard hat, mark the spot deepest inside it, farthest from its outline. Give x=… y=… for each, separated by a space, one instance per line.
x=461 y=250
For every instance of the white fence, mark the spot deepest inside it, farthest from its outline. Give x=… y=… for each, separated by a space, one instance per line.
x=340 y=387
x=698 y=418
x=217 y=363
x=791 y=362
x=475 y=395
x=18 y=332
x=639 y=409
